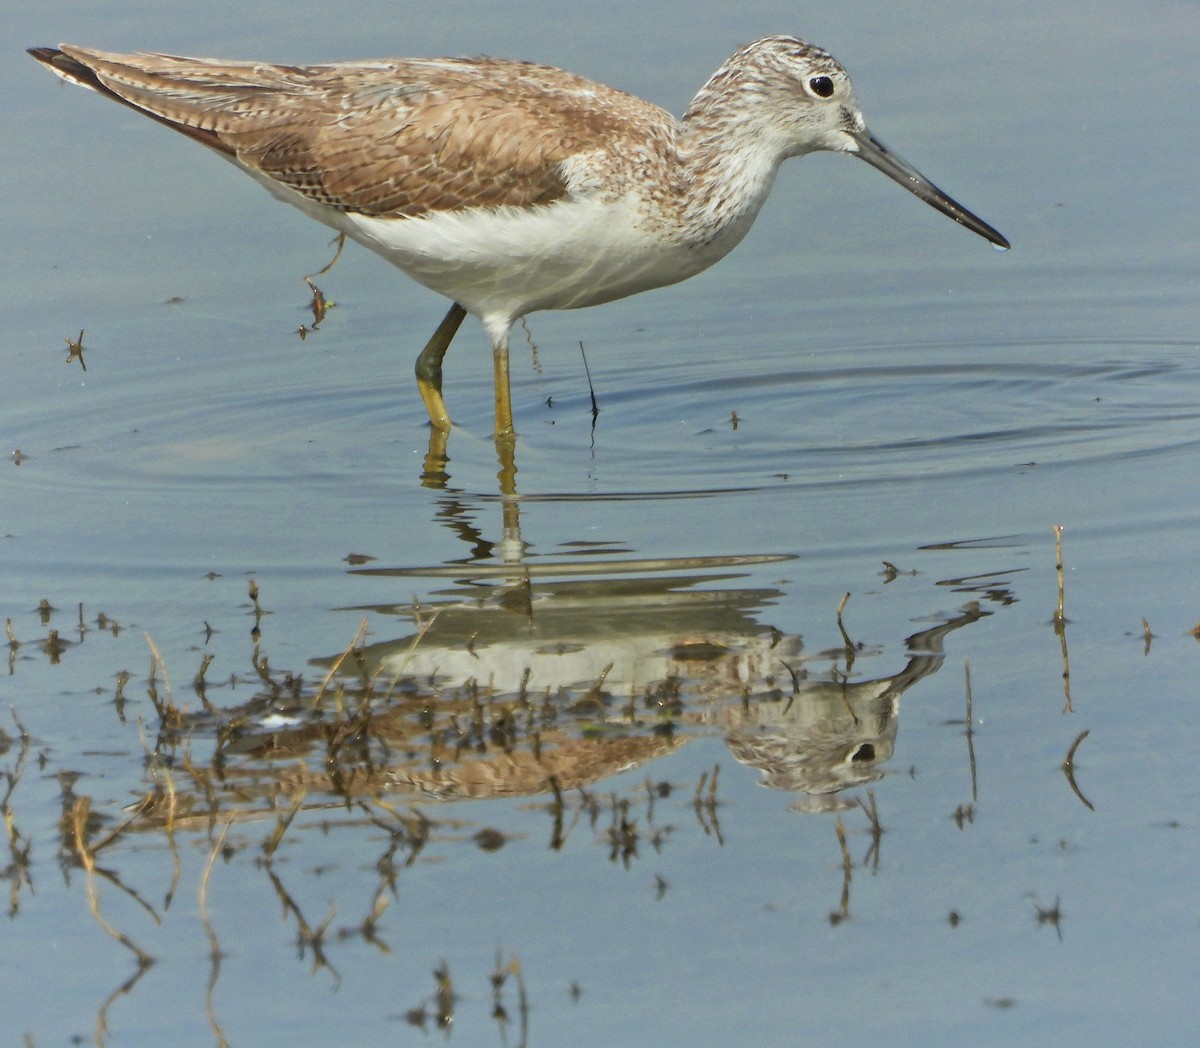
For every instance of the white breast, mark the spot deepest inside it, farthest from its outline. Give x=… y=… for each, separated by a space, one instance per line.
x=503 y=263
x=514 y=261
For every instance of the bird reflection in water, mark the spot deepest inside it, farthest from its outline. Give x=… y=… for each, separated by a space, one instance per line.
x=610 y=664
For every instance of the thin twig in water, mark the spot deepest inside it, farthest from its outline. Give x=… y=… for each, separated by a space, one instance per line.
x=971 y=732
x=1060 y=619
x=337 y=663
x=79 y=820
x=214 y=950
x=1059 y=616
x=281 y=826
x=847 y=875
x=534 y=359
x=160 y=662
x=591 y=390
x=871 y=810
x=340 y=240
x=1068 y=767
x=75 y=350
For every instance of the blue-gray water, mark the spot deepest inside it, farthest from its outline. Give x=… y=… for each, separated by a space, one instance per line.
x=903 y=394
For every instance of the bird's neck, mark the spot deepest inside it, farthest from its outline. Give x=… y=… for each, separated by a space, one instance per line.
x=725 y=166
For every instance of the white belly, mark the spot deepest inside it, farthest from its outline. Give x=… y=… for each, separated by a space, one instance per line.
x=502 y=263
x=511 y=261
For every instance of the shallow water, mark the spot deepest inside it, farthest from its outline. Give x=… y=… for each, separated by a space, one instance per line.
x=676 y=738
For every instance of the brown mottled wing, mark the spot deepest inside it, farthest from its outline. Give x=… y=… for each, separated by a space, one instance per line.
x=395 y=137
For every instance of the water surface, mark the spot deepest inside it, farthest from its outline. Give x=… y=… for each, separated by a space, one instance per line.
x=617 y=755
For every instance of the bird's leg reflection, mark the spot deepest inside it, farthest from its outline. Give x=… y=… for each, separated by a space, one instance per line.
x=433 y=473
x=517 y=595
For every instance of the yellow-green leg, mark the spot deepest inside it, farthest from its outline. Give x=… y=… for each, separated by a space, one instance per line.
x=504 y=419
x=429 y=367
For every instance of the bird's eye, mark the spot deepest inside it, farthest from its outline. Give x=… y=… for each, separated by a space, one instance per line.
x=821 y=86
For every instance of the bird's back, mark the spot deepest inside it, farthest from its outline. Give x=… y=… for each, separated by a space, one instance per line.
x=389 y=138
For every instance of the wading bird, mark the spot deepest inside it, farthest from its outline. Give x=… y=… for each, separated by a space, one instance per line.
x=508 y=186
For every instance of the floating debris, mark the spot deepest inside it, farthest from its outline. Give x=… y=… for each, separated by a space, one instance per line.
x=75 y=350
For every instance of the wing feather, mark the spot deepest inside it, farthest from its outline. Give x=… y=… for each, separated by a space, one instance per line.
x=399 y=137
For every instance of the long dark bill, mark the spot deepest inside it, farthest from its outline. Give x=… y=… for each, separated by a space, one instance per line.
x=879 y=156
